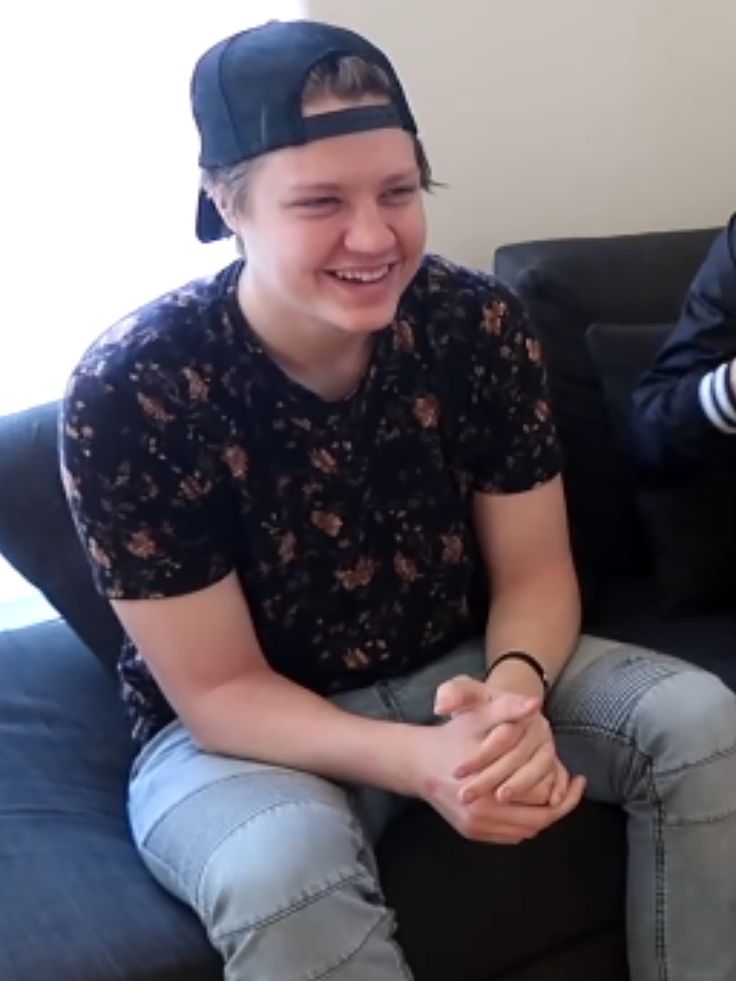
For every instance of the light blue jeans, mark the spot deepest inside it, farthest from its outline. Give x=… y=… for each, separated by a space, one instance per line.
x=279 y=864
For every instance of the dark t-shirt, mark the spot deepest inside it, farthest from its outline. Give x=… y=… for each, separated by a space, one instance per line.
x=187 y=453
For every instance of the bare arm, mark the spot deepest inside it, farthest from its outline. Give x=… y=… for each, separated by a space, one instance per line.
x=535 y=604
x=204 y=654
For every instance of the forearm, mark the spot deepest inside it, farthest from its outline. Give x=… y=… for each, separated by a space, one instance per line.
x=540 y=616
x=264 y=716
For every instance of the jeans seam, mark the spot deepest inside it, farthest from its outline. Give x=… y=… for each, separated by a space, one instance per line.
x=247 y=820
x=660 y=892
x=203 y=789
x=717 y=755
x=344 y=960
x=574 y=729
x=590 y=729
x=299 y=903
x=660 y=938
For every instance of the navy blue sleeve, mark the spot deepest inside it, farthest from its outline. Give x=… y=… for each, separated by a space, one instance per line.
x=684 y=409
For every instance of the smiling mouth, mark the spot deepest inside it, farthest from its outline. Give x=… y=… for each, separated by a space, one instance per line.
x=362 y=276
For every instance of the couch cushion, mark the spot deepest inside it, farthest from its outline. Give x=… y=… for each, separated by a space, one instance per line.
x=37 y=536
x=568 y=284
x=689 y=518
x=77 y=903
x=471 y=911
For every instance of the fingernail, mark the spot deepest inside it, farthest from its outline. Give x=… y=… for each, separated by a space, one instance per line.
x=504 y=793
x=469 y=796
x=460 y=773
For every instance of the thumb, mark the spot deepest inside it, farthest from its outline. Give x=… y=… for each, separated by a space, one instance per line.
x=458 y=695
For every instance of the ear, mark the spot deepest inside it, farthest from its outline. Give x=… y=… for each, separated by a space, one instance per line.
x=223 y=201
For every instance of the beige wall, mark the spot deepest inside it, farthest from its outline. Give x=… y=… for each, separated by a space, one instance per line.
x=564 y=117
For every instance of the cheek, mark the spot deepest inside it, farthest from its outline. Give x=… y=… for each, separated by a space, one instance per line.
x=415 y=225
x=413 y=233
x=306 y=248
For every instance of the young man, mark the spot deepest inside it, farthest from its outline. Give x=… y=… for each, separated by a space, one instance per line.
x=288 y=479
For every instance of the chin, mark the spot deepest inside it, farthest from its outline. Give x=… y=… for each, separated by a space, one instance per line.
x=365 y=320
x=362 y=324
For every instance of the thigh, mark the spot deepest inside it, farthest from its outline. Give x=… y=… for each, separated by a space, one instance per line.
x=628 y=717
x=411 y=696
x=205 y=824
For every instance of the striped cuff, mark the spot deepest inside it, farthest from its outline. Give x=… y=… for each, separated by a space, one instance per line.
x=717 y=399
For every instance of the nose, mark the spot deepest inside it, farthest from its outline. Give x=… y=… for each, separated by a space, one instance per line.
x=368 y=231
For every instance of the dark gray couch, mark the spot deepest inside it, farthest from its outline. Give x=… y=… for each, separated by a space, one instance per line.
x=75 y=902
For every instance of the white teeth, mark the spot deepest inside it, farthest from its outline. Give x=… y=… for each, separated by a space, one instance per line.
x=362 y=275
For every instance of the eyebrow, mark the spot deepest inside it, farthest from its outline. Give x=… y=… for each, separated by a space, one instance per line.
x=324 y=187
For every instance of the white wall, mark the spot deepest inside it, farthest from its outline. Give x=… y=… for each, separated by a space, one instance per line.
x=564 y=117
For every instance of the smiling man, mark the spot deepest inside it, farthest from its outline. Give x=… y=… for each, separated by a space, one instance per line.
x=292 y=481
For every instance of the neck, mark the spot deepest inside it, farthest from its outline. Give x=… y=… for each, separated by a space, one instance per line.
x=318 y=356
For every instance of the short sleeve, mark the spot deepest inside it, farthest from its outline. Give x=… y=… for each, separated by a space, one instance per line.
x=141 y=491
x=510 y=436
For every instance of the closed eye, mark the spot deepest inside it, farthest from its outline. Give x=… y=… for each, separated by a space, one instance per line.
x=323 y=201
x=402 y=193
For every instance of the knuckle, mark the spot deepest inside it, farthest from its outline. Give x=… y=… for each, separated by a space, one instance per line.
x=506 y=734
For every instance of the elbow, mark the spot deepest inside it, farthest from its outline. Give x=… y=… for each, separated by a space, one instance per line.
x=214 y=716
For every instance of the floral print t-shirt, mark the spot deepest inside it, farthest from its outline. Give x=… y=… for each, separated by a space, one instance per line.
x=187 y=453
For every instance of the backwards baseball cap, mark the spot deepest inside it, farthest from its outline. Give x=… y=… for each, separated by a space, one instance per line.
x=247 y=94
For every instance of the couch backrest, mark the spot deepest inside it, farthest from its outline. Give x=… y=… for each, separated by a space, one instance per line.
x=567 y=285
x=37 y=535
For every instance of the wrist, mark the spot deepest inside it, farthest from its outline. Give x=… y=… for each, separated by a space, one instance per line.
x=417 y=748
x=406 y=748
x=517 y=675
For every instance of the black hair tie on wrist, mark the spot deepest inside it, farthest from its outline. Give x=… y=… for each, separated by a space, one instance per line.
x=533 y=663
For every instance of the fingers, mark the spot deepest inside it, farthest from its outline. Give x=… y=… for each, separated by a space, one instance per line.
x=499 y=725
x=504 y=750
x=561 y=785
x=516 y=771
x=572 y=798
x=458 y=694
x=550 y=789
x=496 y=745
x=488 y=828
x=539 y=795
x=540 y=767
x=485 y=817
x=507 y=707
x=462 y=694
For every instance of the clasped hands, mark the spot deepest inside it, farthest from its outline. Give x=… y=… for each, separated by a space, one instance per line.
x=491 y=769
